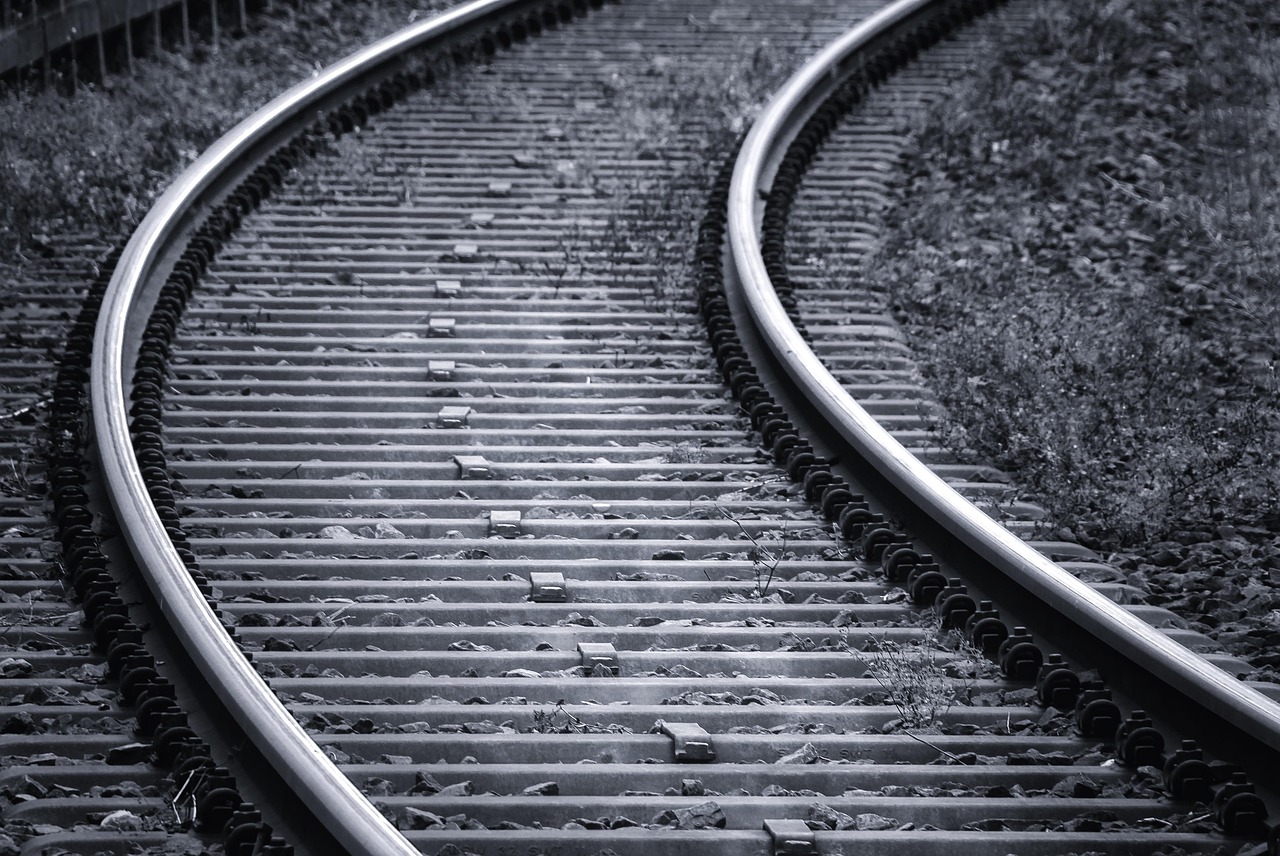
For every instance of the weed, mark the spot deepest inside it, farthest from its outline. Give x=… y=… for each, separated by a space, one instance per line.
x=671 y=135
x=250 y=325
x=685 y=453
x=20 y=480
x=921 y=676
x=557 y=720
x=567 y=261
x=764 y=562
x=915 y=680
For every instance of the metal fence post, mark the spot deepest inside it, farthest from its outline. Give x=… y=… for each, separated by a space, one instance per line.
x=128 y=39
x=46 y=62
x=75 y=64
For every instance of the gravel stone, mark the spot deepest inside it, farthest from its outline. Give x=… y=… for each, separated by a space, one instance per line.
x=377 y=787
x=806 y=754
x=874 y=822
x=708 y=815
x=131 y=753
x=1077 y=787
x=385 y=531
x=459 y=789
x=416 y=818
x=122 y=821
x=20 y=723
x=830 y=818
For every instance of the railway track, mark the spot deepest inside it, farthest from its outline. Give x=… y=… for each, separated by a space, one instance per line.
x=449 y=431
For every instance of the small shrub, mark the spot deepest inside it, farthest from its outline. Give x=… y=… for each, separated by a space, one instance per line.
x=926 y=676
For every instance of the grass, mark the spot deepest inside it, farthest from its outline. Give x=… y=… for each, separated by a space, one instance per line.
x=1085 y=248
x=673 y=130
x=91 y=165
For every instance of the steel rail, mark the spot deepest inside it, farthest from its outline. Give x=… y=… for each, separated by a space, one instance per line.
x=1221 y=694
x=345 y=812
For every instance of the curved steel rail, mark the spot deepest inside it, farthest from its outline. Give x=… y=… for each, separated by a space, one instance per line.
x=1250 y=711
x=346 y=813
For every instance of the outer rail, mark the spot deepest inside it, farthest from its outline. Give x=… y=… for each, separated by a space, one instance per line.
x=1247 y=710
x=345 y=812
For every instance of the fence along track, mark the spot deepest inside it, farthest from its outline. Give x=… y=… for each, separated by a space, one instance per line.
x=34 y=33
x=272 y=536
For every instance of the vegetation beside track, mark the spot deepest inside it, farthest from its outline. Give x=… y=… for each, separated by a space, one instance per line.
x=89 y=166
x=1084 y=247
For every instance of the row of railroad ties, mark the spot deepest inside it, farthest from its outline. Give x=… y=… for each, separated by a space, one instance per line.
x=206 y=794
x=1187 y=775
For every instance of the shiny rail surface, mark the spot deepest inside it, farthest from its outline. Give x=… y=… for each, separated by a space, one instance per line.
x=350 y=817
x=1235 y=704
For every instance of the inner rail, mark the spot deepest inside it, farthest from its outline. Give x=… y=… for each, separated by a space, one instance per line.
x=1236 y=706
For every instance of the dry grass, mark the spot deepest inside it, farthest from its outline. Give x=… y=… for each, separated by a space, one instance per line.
x=56 y=179
x=1086 y=247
